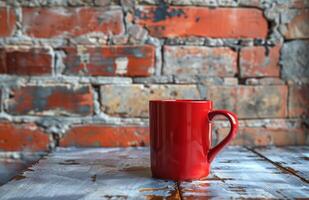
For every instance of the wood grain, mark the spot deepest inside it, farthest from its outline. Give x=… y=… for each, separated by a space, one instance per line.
x=239 y=173
x=293 y=159
x=90 y=174
x=10 y=167
x=124 y=173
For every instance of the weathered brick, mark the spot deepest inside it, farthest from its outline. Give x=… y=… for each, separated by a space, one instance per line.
x=262 y=101
x=22 y=137
x=110 y=61
x=79 y=2
x=298 y=27
x=208 y=81
x=7 y=22
x=2 y=59
x=177 y=21
x=264 y=81
x=251 y=101
x=132 y=100
x=260 y=136
x=105 y=136
x=189 y=60
x=223 y=97
x=295 y=60
x=71 y=22
x=298 y=100
x=25 y=61
x=292 y=4
x=105 y=2
x=259 y=61
x=51 y=100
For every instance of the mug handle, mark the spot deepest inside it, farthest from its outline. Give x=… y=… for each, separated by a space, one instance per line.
x=232 y=117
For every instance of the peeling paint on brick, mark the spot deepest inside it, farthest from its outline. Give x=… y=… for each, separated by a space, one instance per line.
x=189 y=60
x=190 y=21
x=70 y=22
x=51 y=100
x=104 y=61
x=155 y=49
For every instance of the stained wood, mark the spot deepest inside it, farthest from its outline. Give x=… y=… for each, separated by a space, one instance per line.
x=239 y=173
x=293 y=159
x=90 y=174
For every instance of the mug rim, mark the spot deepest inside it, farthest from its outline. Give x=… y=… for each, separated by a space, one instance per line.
x=179 y=101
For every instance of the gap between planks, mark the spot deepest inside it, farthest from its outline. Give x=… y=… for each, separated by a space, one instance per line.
x=178 y=190
x=280 y=167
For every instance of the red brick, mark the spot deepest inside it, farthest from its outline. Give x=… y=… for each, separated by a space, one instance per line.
x=177 y=21
x=260 y=136
x=71 y=22
x=7 y=22
x=189 y=60
x=105 y=136
x=51 y=100
x=267 y=101
x=299 y=100
x=298 y=26
x=22 y=137
x=35 y=61
x=2 y=60
x=257 y=62
x=110 y=61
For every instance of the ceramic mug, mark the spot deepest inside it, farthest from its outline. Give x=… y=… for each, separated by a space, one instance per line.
x=180 y=138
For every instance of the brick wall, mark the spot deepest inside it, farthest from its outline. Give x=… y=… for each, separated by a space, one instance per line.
x=80 y=73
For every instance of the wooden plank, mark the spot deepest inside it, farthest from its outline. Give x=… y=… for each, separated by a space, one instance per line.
x=124 y=174
x=294 y=159
x=239 y=173
x=10 y=167
x=114 y=173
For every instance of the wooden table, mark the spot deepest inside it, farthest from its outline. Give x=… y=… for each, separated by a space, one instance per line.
x=123 y=173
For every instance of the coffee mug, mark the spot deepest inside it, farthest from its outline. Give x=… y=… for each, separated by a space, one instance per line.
x=180 y=138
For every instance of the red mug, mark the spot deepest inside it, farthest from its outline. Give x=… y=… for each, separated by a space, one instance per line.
x=180 y=138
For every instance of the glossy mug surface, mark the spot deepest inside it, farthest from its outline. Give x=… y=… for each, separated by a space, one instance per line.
x=180 y=138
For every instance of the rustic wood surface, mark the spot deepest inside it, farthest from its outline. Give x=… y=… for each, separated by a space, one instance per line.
x=293 y=159
x=241 y=173
x=10 y=167
x=124 y=173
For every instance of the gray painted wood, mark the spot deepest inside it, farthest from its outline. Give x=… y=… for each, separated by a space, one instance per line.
x=10 y=167
x=90 y=174
x=118 y=173
x=239 y=173
x=294 y=159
